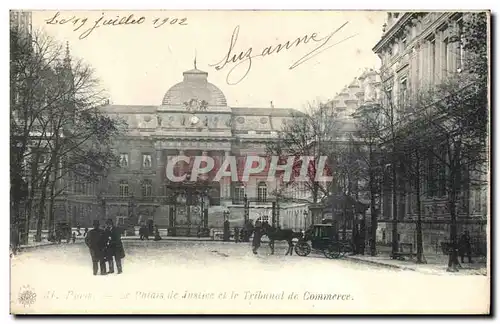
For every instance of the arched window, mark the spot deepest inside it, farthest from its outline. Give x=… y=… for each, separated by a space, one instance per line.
x=262 y=192
x=123 y=188
x=239 y=193
x=147 y=188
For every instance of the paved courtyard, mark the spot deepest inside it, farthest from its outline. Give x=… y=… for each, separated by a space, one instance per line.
x=219 y=277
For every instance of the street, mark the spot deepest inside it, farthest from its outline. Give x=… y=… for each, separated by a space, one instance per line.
x=180 y=277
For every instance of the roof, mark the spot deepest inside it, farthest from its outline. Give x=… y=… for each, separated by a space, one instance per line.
x=195 y=71
x=278 y=112
x=128 y=109
x=190 y=89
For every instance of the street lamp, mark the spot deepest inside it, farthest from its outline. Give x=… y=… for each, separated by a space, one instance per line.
x=306 y=214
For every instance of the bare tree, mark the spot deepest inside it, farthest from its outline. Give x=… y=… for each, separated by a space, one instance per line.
x=312 y=134
x=369 y=129
x=56 y=123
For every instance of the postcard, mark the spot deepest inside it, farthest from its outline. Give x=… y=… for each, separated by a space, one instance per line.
x=249 y=162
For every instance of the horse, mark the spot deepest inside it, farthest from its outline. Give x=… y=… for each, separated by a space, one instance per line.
x=278 y=234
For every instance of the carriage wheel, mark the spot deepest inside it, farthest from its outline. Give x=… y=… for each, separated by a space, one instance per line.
x=332 y=251
x=302 y=249
x=344 y=249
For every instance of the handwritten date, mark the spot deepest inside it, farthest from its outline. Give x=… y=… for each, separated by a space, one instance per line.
x=87 y=27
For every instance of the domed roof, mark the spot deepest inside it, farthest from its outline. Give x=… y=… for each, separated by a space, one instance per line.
x=194 y=86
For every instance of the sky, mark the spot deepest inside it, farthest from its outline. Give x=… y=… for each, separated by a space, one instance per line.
x=138 y=63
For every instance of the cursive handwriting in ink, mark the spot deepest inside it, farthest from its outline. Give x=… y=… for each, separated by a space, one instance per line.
x=246 y=56
x=56 y=20
x=110 y=21
x=172 y=21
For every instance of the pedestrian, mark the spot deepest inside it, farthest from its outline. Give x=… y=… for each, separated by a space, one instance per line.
x=257 y=235
x=157 y=233
x=226 y=231
x=95 y=240
x=464 y=246
x=236 y=235
x=73 y=238
x=143 y=233
x=85 y=232
x=355 y=240
x=114 y=247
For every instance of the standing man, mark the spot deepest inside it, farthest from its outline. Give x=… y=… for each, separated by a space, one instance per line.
x=114 y=247
x=257 y=235
x=96 y=242
x=236 y=235
x=465 y=246
x=226 y=231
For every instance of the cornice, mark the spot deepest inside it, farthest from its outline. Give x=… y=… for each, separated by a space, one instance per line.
x=429 y=29
x=392 y=31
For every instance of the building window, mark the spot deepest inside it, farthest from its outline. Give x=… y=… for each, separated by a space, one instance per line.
x=477 y=200
x=147 y=188
x=263 y=218
x=42 y=159
x=431 y=187
x=123 y=188
x=441 y=180
x=403 y=43
x=403 y=94
x=120 y=221
x=239 y=193
x=262 y=192
x=146 y=161
x=124 y=160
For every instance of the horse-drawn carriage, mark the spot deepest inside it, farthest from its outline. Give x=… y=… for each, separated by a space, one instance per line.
x=324 y=238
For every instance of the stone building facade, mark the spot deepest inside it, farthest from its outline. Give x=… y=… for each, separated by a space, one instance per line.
x=418 y=51
x=193 y=119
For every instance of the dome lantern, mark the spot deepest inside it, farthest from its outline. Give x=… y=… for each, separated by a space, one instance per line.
x=195 y=86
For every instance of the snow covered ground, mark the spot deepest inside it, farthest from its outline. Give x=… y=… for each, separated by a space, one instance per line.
x=219 y=277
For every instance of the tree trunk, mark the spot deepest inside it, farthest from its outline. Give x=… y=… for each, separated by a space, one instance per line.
x=39 y=221
x=50 y=220
x=420 y=246
x=373 y=213
x=41 y=210
x=15 y=225
x=455 y=181
x=453 y=264
x=395 y=241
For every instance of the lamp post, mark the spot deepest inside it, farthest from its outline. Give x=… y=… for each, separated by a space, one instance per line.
x=246 y=214
x=202 y=210
x=306 y=214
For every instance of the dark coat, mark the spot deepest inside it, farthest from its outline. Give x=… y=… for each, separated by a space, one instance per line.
x=114 y=243
x=464 y=242
x=96 y=241
x=257 y=236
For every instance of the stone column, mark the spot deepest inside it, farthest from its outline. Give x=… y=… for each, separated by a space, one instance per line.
x=225 y=185
x=160 y=172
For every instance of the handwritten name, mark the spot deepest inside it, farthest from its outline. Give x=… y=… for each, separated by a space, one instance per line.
x=86 y=27
x=246 y=56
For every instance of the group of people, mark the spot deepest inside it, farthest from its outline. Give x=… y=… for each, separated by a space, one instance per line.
x=105 y=245
x=145 y=232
